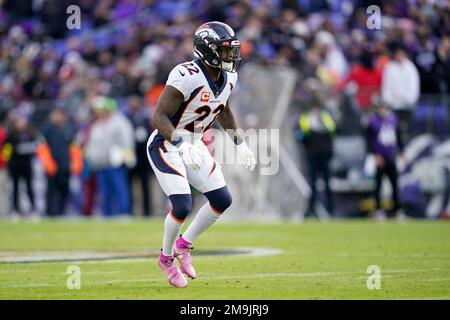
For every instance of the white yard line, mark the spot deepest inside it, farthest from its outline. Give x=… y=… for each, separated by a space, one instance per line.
x=395 y=255
x=206 y=276
x=426 y=298
x=438 y=279
x=413 y=270
x=97 y=272
x=270 y=275
x=30 y=285
x=16 y=271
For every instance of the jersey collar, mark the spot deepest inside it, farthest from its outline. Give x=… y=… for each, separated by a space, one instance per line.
x=212 y=85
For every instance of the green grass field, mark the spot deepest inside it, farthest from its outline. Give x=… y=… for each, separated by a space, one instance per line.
x=318 y=261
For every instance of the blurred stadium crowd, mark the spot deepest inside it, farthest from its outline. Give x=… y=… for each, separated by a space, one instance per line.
x=68 y=96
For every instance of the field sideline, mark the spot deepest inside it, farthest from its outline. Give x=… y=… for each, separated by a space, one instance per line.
x=317 y=261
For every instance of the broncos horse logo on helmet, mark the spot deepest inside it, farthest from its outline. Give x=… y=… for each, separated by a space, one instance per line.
x=216 y=44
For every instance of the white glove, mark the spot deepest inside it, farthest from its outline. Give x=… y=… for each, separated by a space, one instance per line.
x=246 y=156
x=191 y=155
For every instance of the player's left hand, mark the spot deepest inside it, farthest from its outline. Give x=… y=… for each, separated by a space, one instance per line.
x=191 y=155
x=247 y=156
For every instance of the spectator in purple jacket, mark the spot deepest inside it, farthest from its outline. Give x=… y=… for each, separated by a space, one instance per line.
x=384 y=143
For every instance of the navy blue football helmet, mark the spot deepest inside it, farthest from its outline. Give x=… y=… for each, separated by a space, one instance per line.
x=216 y=44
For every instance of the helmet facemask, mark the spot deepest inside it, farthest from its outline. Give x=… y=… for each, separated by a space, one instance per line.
x=226 y=56
x=230 y=57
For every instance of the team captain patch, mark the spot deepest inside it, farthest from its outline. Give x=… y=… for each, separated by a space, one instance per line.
x=205 y=96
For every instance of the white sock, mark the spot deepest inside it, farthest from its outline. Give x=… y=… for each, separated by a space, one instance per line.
x=171 y=230
x=205 y=217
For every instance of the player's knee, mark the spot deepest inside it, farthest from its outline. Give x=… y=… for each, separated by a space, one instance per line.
x=219 y=199
x=226 y=201
x=181 y=205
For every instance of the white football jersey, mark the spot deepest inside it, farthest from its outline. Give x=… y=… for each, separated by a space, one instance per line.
x=203 y=100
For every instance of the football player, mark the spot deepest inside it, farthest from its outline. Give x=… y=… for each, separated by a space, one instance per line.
x=195 y=96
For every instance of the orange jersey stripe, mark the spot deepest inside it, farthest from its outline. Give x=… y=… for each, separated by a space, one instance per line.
x=212 y=169
x=160 y=153
x=216 y=211
x=175 y=218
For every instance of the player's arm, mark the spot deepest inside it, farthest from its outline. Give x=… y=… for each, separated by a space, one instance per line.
x=168 y=103
x=228 y=122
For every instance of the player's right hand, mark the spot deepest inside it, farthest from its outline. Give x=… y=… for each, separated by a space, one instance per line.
x=247 y=156
x=191 y=155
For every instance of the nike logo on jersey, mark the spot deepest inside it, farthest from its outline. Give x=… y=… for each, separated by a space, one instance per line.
x=182 y=74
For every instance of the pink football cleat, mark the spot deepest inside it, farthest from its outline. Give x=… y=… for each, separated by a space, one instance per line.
x=182 y=249
x=171 y=271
